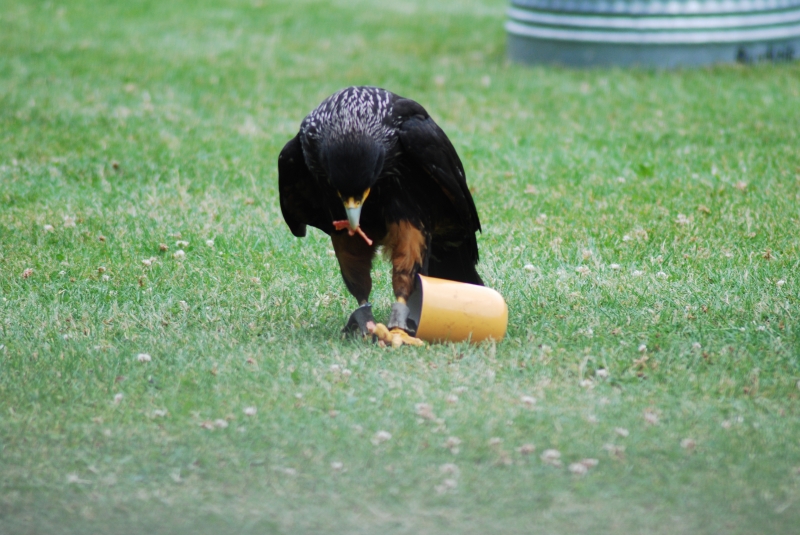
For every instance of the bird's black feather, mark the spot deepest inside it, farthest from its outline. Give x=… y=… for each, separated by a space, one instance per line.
x=302 y=201
x=428 y=146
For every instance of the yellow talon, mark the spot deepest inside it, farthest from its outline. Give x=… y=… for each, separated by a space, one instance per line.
x=380 y=330
x=400 y=337
x=395 y=337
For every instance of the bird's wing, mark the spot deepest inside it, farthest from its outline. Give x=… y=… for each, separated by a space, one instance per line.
x=427 y=144
x=302 y=202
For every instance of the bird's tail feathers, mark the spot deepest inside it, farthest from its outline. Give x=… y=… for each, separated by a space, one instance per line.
x=455 y=262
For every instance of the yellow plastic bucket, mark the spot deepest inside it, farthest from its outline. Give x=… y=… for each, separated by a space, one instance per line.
x=446 y=310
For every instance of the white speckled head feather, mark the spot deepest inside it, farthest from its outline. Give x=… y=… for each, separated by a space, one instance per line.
x=349 y=113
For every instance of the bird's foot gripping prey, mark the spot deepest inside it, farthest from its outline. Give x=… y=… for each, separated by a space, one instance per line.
x=399 y=330
x=370 y=168
x=396 y=334
x=395 y=337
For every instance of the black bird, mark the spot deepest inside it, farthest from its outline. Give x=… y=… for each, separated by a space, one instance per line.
x=368 y=163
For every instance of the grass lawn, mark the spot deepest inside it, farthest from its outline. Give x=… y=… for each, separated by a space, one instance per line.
x=643 y=226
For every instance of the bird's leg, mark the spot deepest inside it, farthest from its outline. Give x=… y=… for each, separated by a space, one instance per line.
x=355 y=260
x=407 y=246
x=399 y=317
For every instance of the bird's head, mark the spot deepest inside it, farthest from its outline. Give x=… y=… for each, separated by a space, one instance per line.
x=353 y=164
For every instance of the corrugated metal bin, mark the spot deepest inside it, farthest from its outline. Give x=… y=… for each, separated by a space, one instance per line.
x=653 y=33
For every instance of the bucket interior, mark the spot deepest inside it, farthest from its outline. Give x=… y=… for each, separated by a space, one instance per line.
x=414 y=304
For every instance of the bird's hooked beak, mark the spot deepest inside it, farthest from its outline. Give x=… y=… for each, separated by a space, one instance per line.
x=352 y=207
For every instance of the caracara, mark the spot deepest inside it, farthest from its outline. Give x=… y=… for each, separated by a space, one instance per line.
x=371 y=168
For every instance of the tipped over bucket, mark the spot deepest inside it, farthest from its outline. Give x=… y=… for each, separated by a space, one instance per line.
x=446 y=310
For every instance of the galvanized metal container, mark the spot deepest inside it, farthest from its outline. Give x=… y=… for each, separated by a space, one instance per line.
x=660 y=33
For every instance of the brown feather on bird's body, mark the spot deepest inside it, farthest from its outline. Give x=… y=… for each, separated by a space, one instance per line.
x=371 y=162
